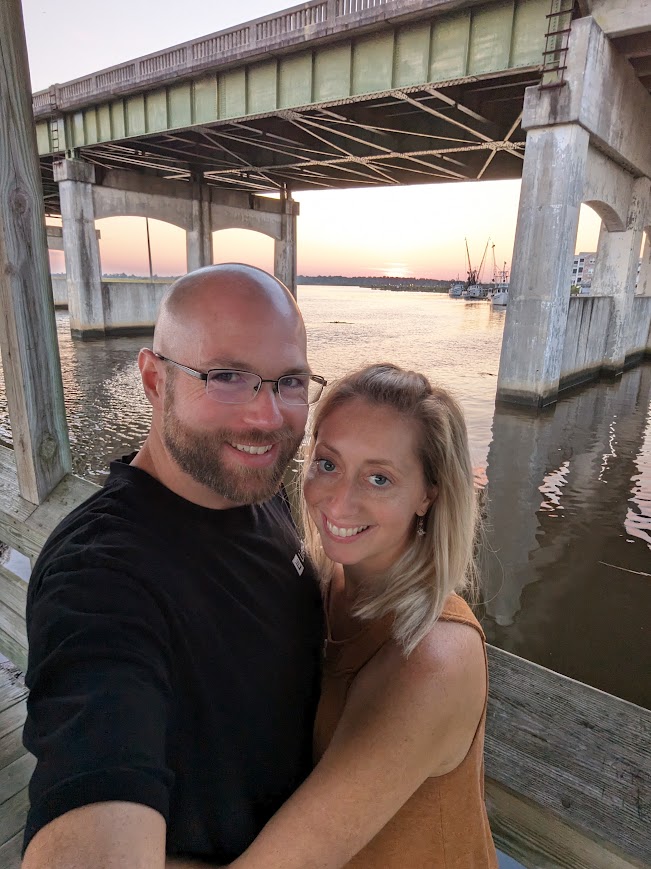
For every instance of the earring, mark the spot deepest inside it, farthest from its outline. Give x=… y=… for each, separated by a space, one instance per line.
x=420 y=526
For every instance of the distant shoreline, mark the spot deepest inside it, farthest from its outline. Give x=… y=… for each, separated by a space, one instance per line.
x=419 y=285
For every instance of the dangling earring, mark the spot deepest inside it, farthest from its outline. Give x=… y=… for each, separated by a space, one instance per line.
x=420 y=526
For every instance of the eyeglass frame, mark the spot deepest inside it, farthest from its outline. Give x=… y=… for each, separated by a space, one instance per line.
x=205 y=376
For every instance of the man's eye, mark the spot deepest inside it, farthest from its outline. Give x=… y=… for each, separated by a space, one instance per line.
x=230 y=377
x=325 y=465
x=291 y=382
x=379 y=480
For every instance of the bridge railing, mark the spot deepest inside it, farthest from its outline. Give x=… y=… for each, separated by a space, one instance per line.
x=282 y=30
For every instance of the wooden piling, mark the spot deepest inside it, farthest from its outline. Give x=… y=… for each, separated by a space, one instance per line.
x=30 y=354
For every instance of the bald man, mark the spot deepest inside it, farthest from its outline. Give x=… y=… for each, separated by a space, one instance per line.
x=175 y=628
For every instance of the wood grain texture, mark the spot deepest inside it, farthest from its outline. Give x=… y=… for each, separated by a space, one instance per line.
x=30 y=353
x=576 y=751
x=538 y=839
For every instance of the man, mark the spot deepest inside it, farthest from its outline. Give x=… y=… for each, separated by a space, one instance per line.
x=175 y=629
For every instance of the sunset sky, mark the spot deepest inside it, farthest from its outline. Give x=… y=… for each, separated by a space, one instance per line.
x=405 y=231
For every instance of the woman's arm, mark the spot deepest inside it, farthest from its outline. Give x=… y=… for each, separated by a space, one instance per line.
x=404 y=721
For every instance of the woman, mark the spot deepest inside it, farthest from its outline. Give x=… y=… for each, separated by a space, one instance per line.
x=390 y=521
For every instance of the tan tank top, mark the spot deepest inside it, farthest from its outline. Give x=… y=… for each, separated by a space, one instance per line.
x=444 y=825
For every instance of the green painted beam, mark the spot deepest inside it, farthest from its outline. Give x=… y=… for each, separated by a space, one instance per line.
x=497 y=37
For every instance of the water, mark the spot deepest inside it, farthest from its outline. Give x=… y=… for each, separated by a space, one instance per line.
x=568 y=577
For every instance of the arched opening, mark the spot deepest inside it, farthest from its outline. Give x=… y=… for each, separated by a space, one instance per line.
x=244 y=246
x=124 y=250
x=586 y=246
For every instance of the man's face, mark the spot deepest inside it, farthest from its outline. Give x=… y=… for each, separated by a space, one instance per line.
x=238 y=451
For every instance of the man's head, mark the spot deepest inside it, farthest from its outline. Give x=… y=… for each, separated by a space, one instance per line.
x=224 y=317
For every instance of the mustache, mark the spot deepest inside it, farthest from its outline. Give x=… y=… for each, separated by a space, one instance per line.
x=257 y=438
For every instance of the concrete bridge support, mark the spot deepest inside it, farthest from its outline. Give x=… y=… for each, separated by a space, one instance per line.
x=81 y=248
x=199 y=235
x=587 y=141
x=615 y=274
x=196 y=208
x=285 y=247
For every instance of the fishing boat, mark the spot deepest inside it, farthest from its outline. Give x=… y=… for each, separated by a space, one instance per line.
x=456 y=290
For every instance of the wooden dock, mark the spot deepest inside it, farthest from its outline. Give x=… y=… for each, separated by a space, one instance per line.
x=16 y=765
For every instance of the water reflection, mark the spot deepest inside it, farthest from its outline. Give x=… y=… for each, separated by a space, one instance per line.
x=568 y=581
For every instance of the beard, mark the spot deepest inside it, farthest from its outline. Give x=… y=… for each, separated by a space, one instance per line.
x=200 y=455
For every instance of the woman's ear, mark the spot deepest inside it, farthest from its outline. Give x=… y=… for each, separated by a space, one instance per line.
x=428 y=500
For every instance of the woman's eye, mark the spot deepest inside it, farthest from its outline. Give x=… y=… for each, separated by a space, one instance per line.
x=379 y=480
x=325 y=465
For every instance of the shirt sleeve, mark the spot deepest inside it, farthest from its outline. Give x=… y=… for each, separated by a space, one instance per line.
x=98 y=711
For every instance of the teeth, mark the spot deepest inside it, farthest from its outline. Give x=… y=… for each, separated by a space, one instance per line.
x=254 y=451
x=344 y=532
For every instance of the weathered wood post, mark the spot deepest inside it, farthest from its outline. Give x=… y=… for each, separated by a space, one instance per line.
x=30 y=354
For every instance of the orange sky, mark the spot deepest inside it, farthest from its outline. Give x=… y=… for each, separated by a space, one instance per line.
x=414 y=231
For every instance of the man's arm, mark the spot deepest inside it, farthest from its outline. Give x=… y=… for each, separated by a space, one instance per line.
x=97 y=720
x=113 y=835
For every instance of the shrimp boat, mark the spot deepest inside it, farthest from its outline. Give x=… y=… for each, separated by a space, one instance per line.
x=456 y=290
x=473 y=289
x=500 y=295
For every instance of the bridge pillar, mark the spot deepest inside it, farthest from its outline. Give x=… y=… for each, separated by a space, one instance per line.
x=615 y=273
x=601 y=109
x=285 y=247
x=199 y=236
x=81 y=248
x=548 y=218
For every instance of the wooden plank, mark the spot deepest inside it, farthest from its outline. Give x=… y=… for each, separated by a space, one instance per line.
x=13 y=591
x=16 y=653
x=538 y=839
x=12 y=685
x=581 y=753
x=24 y=526
x=16 y=776
x=10 y=851
x=11 y=718
x=13 y=626
x=11 y=748
x=28 y=339
x=13 y=814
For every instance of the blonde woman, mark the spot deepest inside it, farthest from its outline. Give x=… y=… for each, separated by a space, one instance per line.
x=390 y=520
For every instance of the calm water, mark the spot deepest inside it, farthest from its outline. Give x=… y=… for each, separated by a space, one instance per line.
x=568 y=571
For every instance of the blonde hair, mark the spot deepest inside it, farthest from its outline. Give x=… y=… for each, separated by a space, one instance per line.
x=441 y=561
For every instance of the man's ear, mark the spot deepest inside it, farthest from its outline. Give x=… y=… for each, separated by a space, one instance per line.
x=153 y=377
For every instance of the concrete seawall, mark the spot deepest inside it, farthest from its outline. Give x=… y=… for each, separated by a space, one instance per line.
x=586 y=338
x=129 y=307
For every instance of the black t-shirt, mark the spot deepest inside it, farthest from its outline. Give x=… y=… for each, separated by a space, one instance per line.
x=174 y=662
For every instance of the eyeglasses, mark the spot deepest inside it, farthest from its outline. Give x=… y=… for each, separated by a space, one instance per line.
x=230 y=386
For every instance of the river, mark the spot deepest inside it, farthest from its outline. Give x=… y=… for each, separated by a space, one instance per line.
x=567 y=564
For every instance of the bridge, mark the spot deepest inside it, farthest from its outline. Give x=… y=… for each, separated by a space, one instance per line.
x=358 y=93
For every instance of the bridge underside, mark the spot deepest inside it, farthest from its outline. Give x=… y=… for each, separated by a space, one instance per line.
x=463 y=130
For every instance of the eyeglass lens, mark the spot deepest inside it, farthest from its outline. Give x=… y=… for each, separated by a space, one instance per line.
x=238 y=387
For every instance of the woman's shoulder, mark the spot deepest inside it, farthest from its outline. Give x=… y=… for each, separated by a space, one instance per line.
x=450 y=657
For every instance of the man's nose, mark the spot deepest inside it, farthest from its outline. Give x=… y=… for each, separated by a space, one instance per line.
x=264 y=410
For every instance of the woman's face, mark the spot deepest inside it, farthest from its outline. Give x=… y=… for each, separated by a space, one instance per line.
x=365 y=485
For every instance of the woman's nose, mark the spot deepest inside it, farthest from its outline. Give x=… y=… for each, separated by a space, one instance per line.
x=342 y=498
